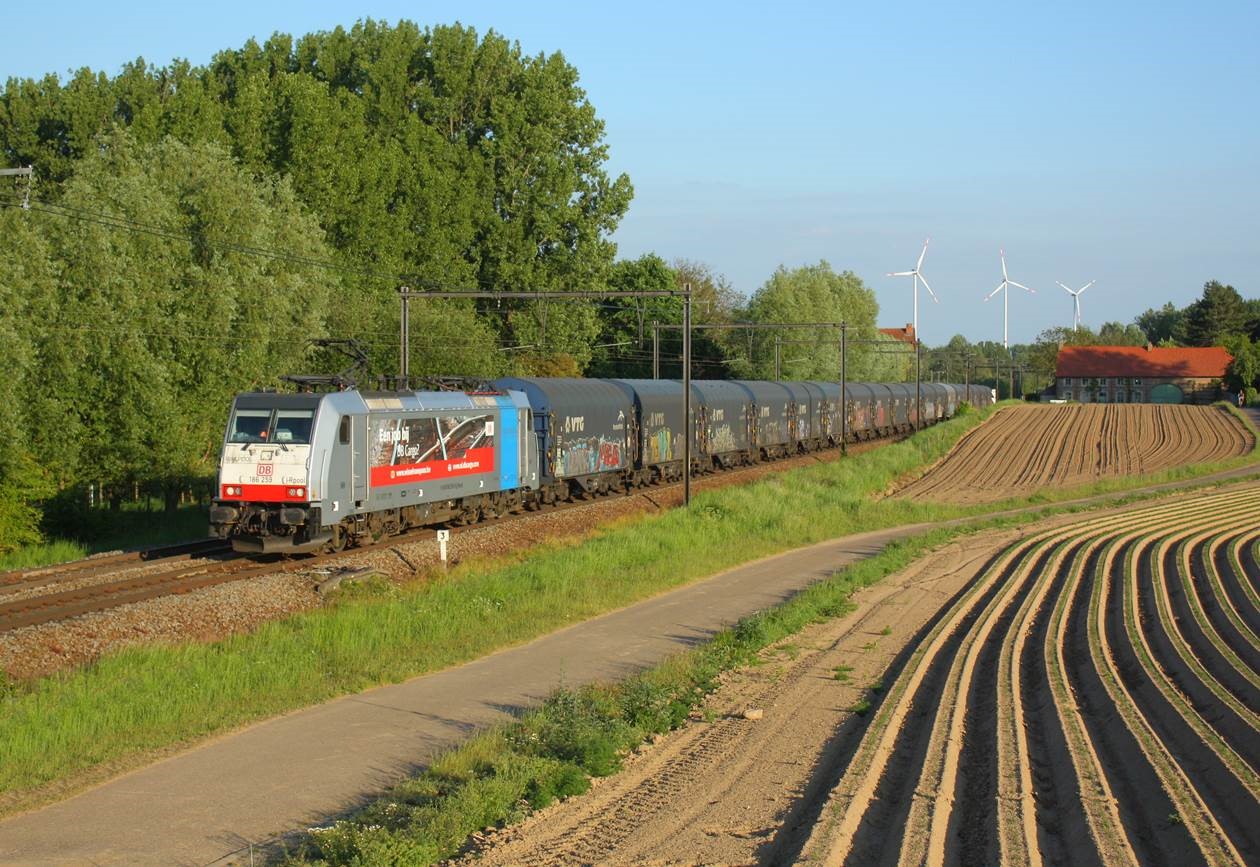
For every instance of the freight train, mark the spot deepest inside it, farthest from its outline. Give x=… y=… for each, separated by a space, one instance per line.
x=320 y=471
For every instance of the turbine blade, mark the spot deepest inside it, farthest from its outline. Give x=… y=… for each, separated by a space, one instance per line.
x=919 y=264
x=1000 y=287
x=1022 y=286
x=1086 y=286
x=929 y=289
x=1065 y=289
x=1002 y=255
x=900 y=273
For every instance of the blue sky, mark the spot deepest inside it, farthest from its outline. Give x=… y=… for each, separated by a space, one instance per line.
x=1110 y=141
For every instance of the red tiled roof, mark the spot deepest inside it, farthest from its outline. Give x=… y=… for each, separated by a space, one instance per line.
x=1210 y=361
x=905 y=335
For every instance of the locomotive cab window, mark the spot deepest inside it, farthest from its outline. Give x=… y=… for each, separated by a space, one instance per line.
x=294 y=426
x=271 y=426
x=344 y=434
x=250 y=426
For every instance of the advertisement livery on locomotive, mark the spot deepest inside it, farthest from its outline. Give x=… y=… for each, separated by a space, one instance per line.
x=306 y=472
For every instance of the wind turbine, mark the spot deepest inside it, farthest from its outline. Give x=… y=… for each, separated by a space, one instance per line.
x=917 y=277
x=1076 y=303
x=1006 y=297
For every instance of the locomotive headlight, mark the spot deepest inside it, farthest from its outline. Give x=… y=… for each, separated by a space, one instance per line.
x=300 y=492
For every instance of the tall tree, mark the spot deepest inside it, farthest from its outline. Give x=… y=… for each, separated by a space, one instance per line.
x=1219 y=313
x=153 y=312
x=435 y=157
x=815 y=293
x=1119 y=334
x=1164 y=324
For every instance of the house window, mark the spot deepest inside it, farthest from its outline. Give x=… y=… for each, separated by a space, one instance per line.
x=1067 y=380
x=1137 y=380
x=1102 y=396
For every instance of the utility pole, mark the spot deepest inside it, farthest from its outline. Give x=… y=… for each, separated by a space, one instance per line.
x=844 y=389
x=918 y=384
x=778 y=357
x=656 y=349
x=689 y=427
x=404 y=336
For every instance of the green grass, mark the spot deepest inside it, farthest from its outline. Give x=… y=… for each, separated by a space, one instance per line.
x=138 y=701
x=45 y=554
x=128 y=529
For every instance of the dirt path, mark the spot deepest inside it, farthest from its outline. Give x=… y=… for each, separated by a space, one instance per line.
x=1028 y=447
x=1079 y=692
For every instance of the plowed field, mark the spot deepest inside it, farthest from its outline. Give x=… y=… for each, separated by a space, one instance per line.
x=1026 y=448
x=1084 y=692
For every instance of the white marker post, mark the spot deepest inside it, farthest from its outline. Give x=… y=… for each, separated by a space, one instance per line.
x=443 y=536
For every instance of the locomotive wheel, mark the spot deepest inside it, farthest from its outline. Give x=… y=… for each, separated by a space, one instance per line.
x=339 y=539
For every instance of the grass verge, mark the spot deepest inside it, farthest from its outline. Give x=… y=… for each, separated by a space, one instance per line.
x=127 y=530
x=137 y=702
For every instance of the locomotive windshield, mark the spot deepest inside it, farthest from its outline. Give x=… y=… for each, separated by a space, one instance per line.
x=292 y=426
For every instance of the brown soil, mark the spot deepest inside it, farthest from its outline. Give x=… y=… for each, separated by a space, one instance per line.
x=1083 y=691
x=1025 y=448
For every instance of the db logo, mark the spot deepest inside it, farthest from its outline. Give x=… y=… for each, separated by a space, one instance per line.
x=266 y=469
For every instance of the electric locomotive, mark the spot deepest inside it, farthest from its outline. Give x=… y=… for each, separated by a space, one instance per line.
x=304 y=472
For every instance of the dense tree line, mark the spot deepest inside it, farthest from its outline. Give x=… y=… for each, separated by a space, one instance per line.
x=192 y=228
x=1220 y=316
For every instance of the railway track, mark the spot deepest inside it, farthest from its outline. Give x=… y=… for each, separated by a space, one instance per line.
x=212 y=562
x=22 y=579
x=1093 y=698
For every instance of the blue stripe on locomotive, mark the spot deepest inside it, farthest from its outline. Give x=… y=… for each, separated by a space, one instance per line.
x=509 y=444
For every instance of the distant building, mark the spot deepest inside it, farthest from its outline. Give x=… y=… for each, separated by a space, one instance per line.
x=905 y=335
x=1141 y=374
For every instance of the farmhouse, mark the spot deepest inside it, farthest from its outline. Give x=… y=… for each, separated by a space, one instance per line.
x=1141 y=374
x=905 y=335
